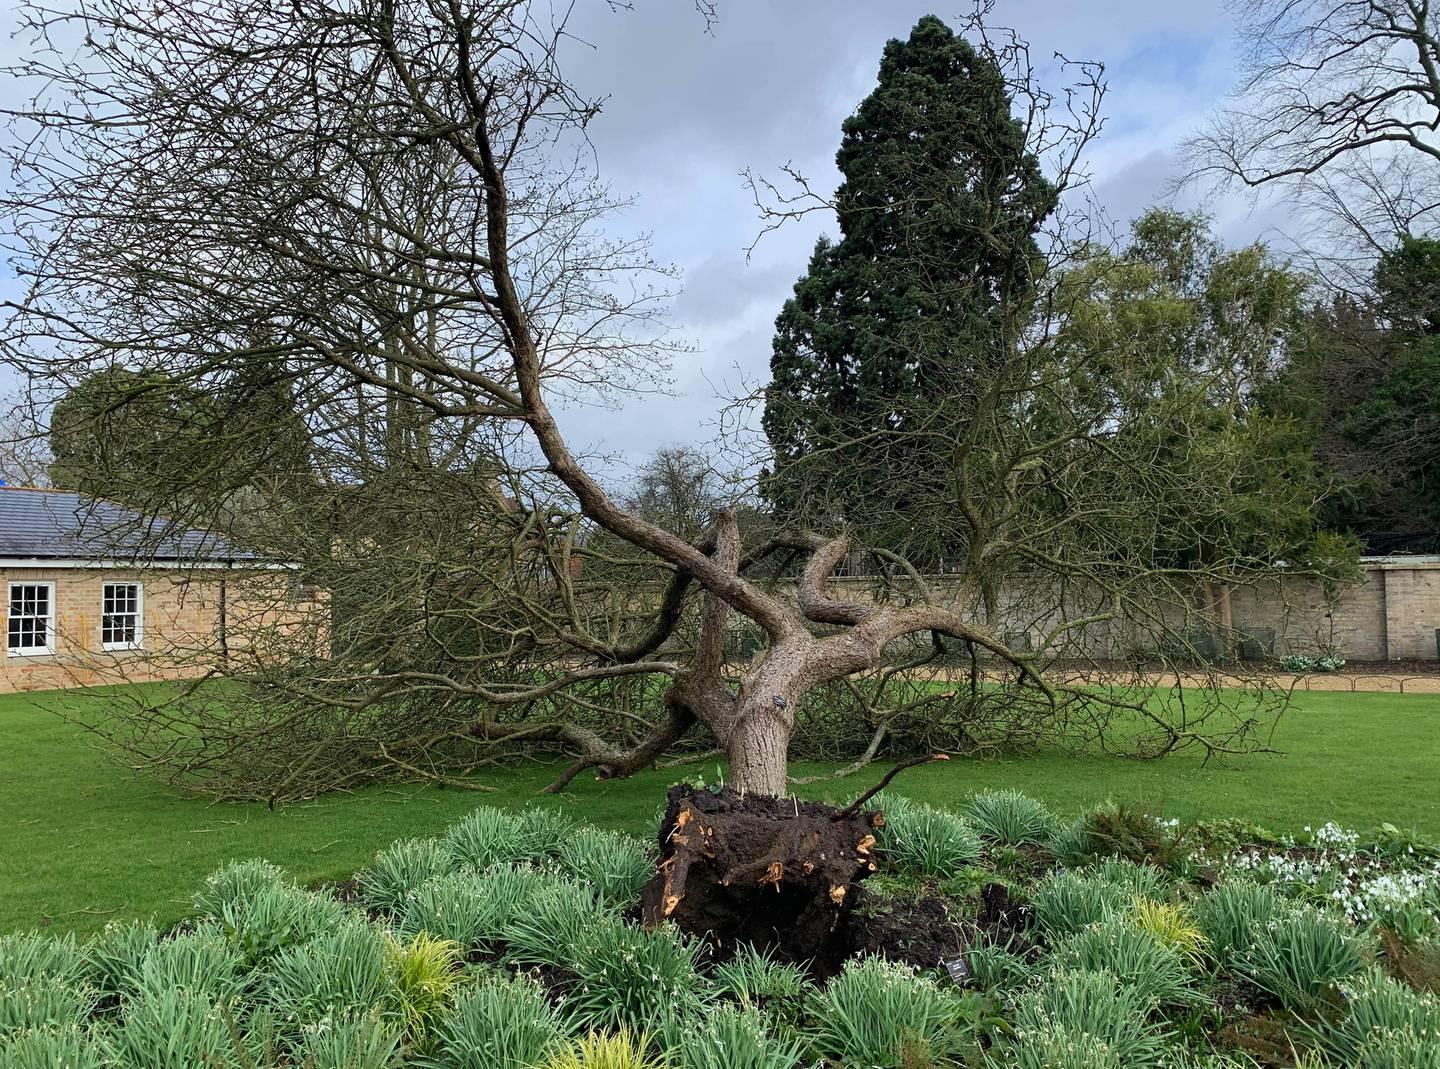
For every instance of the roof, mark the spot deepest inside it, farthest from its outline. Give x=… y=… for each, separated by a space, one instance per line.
x=64 y=525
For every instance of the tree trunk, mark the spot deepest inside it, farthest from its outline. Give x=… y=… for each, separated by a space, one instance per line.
x=757 y=747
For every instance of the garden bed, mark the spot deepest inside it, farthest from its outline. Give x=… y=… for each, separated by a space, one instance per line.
x=1001 y=936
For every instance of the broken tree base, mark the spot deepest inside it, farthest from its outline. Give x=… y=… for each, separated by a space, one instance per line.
x=775 y=873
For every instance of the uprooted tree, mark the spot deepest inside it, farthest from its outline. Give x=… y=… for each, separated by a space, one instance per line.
x=380 y=212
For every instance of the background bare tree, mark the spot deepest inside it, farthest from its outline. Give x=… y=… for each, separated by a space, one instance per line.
x=1324 y=79
x=1339 y=101
x=24 y=452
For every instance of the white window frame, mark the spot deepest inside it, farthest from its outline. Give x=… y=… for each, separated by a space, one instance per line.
x=31 y=651
x=139 y=614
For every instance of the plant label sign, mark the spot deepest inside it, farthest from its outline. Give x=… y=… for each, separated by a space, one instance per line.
x=958 y=970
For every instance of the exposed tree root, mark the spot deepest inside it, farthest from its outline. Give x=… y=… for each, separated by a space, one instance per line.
x=774 y=872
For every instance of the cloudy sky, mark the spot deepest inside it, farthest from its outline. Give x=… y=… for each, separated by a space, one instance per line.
x=771 y=84
x=688 y=111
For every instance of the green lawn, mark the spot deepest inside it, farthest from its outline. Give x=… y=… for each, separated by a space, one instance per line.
x=86 y=840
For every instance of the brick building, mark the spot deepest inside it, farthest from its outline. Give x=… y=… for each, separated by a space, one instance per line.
x=95 y=593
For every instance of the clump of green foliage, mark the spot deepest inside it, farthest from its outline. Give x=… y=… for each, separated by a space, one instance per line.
x=1301 y=956
x=633 y=979
x=1012 y=818
x=66 y=1047
x=1382 y=1015
x=599 y=1050
x=1140 y=959
x=484 y=837
x=551 y=923
x=350 y=1041
x=501 y=1023
x=616 y=866
x=925 y=840
x=736 y=1038
x=1085 y=1019
x=397 y=871
x=1071 y=901
x=880 y=1014
x=1233 y=913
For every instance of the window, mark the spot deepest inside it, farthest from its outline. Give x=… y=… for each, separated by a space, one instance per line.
x=30 y=623
x=120 y=627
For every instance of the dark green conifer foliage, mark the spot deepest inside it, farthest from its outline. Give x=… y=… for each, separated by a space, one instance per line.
x=894 y=329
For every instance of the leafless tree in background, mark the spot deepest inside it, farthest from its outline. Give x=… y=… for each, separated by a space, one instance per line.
x=24 y=457
x=1339 y=101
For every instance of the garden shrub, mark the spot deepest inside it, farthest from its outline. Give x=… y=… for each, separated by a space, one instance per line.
x=542 y=832
x=113 y=958
x=236 y=881
x=1299 y=957
x=1111 y=830
x=399 y=869
x=993 y=967
x=1071 y=842
x=1137 y=880
x=551 y=923
x=275 y=917
x=177 y=1028
x=1381 y=1012
x=1400 y=1051
x=511 y=889
x=1133 y=956
x=1085 y=1020
x=755 y=978
x=67 y=1047
x=499 y=1023
x=349 y=1041
x=202 y=960
x=632 y=979
x=424 y=973
x=26 y=956
x=42 y=1002
x=1233 y=912
x=468 y=908
x=340 y=972
x=926 y=840
x=1172 y=925
x=1069 y=901
x=735 y=1038
x=1412 y=920
x=884 y=1015
x=485 y=836
x=616 y=866
x=1011 y=817
x=622 y=1050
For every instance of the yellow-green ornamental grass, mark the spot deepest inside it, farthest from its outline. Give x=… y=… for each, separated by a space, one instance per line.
x=1172 y=926
x=618 y=1050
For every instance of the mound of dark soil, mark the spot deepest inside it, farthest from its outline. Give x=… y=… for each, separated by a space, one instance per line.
x=922 y=932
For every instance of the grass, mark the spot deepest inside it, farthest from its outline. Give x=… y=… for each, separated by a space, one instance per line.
x=86 y=841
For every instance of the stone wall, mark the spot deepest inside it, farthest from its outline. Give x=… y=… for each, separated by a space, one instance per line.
x=1390 y=614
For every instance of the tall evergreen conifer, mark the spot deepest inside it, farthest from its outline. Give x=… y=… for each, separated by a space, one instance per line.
x=896 y=328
